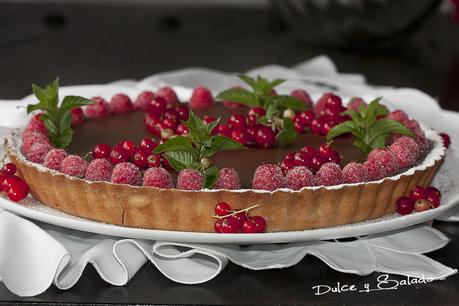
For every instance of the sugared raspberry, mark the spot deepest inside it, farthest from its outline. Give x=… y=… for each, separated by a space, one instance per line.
x=77 y=116
x=374 y=171
x=54 y=158
x=157 y=177
x=121 y=104
x=99 y=169
x=406 y=155
x=328 y=175
x=126 y=173
x=37 y=152
x=228 y=179
x=167 y=94
x=398 y=115
x=36 y=125
x=386 y=159
x=100 y=109
x=201 y=98
x=143 y=100
x=32 y=138
x=299 y=177
x=411 y=143
x=268 y=177
x=354 y=173
x=190 y=179
x=74 y=166
x=355 y=103
x=302 y=95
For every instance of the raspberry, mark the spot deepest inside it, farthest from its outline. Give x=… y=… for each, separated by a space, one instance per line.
x=406 y=155
x=201 y=98
x=167 y=94
x=100 y=109
x=190 y=179
x=386 y=159
x=74 y=166
x=268 y=177
x=374 y=170
x=398 y=115
x=30 y=139
x=99 y=169
x=410 y=143
x=142 y=100
x=36 y=125
x=302 y=95
x=37 y=152
x=328 y=175
x=126 y=173
x=228 y=179
x=77 y=116
x=355 y=103
x=299 y=177
x=354 y=173
x=54 y=158
x=121 y=104
x=157 y=177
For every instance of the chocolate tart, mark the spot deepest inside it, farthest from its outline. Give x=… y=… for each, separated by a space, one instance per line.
x=180 y=210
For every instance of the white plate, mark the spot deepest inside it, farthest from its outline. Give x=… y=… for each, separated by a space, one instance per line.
x=37 y=211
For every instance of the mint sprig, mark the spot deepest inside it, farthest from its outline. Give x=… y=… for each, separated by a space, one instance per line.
x=370 y=131
x=57 y=119
x=274 y=105
x=187 y=152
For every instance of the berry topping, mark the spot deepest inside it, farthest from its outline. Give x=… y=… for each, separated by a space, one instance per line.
x=143 y=100
x=129 y=147
x=181 y=129
x=157 y=177
x=423 y=205
x=265 y=137
x=126 y=173
x=237 y=121
x=190 y=179
x=418 y=193
x=374 y=170
x=36 y=124
x=240 y=136
x=74 y=166
x=54 y=158
x=354 y=173
x=398 y=115
x=302 y=95
x=167 y=94
x=32 y=138
x=355 y=103
x=404 y=206
x=299 y=177
x=118 y=155
x=121 y=104
x=8 y=169
x=183 y=112
x=222 y=209
x=260 y=223
x=101 y=150
x=157 y=106
x=100 y=109
x=229 y=225
x=406 y=155
x=257 y=111
x=268 y=177
x=433 y=196
x=18 y=190
x=37 y=152
x=227 y=179
x=329 y=154
x=446 y=140
x=99 y=169
x=386 y=159
x=140 y=159
x=328 y=175
x=327 y=99
x=249 y=227
x=201 y=98
x=77 y=116
x=155 y=160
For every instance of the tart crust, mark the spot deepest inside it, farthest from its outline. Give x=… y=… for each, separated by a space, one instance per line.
x=179 y=210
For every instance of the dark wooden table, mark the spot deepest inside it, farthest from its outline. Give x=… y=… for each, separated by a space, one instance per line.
x=98 y=43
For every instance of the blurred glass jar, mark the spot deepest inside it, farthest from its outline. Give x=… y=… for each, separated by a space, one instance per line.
x=356 y=23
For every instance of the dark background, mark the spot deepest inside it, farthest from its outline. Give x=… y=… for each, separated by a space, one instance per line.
x=99 y=42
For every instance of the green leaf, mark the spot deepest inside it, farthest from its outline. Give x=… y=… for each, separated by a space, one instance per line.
x=41 y=95
x=356 y=117
x=180 y=160
x=34 y=107
x=271 y=110
x=65 y=121
x=342 y=128
x=197 y=128
x=210 y=176
x=293 y=103
x=212 y=125
x=178 y=143
x=221 y=143
x=239 y=95
x=70 y=102
x=275 y=83
x=52 y=94
x=385 y=127
x=248 y=80
x=64 y=139
x=366 y=149
x=288 y=134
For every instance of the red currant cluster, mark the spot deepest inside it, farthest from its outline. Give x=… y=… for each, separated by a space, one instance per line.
x=13 y=185
x=311 y=158
x=420 y=199
x=141 y=155
x=238 y=220
x=163 y=121
x=328 y=112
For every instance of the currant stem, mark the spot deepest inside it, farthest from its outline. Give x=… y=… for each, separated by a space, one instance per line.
x=234 y=212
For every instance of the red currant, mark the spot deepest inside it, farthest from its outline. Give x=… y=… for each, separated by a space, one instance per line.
x=240 y=136
x=140 y=159
x=334 y=103
x=171 y=114
x=170 y=123
x=157 y=106
x=77 y=116
x=165 y=163
x=181 y=129
x=183 y=112
x=260 y=223
x=302 y=159
x=418 y=193
x=237 y=121
x=300 y=128
x=101 y=150
x=317 y=126
x=316 y=163
x=241 y=217
x=423 y=205
x=431 y=189
x=310 y=150
x=329 y=154
x=222 y=209
x=208 y=119
x=18 y=190
x=8 y=182
x=9 y=169
x=118 y=155
x=2 y=179
x=151 y=122
x=223 y=129
x=129 y=147
x=148 y=145
x=290 y=156
x=287 y=165
x=405 y=205
x=154 y=160
x=218 y=226
x=249 y=227
x=229 y=225
x=257 y=111
x=265 y=137
x=252 y=131
x=446 y=140
x=252 y=120
x=433 y=197
x=307 y=117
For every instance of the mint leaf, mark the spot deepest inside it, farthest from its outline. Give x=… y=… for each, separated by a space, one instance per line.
x=343 y=128
x=288 y=134
x=70 y=102
x=178 y=143
x=239 y=95
x=197 y=128
x=210 y=176
x=386 y=127
x=52 y=93
x=248 y=80
x=212 y=125
x=293 y=103
x=275 y=83
x=221 y=143
x=180 y=160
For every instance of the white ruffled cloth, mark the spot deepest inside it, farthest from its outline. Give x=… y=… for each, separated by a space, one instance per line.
x=60 y=255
